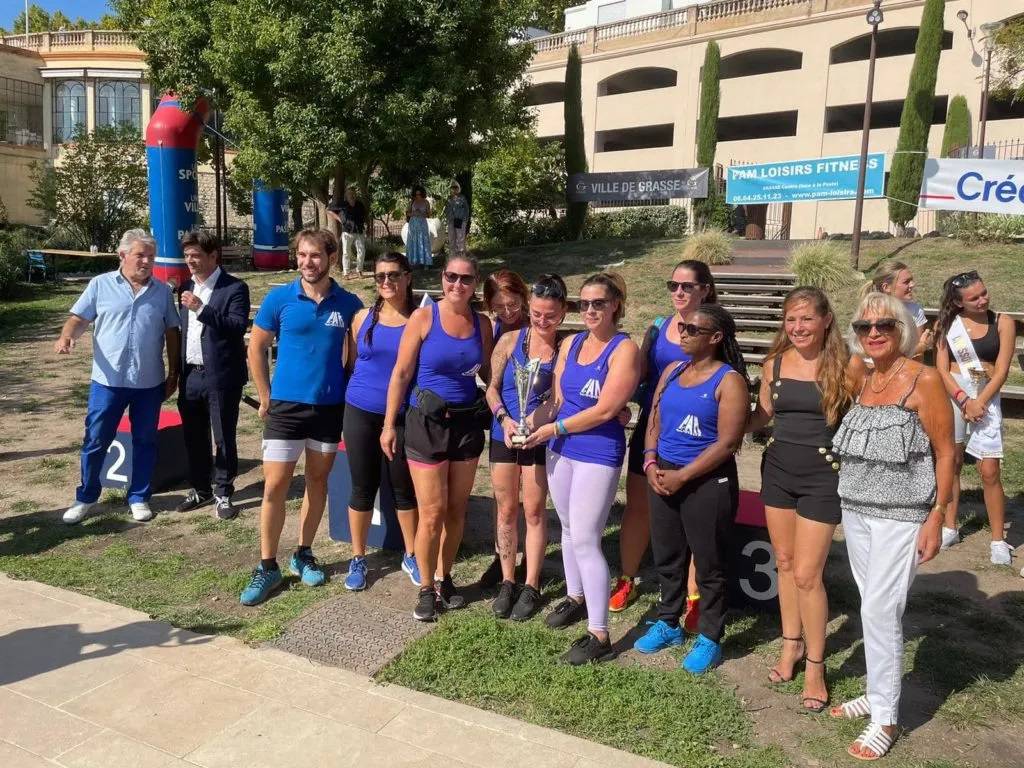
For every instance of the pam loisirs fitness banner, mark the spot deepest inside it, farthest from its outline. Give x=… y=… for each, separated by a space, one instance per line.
x=797 y=181
x=639 y=185
x=982 y=186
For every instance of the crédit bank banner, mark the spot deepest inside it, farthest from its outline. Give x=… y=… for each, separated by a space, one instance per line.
x=981 y=186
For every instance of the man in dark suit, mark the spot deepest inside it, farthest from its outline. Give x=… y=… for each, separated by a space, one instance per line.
x=214 y=317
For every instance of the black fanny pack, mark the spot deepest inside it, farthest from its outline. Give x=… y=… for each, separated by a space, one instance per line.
x=436 y=408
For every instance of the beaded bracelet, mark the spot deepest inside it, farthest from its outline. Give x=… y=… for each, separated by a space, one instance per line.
x=560 y=427
x=650 y=450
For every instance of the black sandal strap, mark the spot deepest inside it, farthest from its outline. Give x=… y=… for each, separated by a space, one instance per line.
x=812 y=661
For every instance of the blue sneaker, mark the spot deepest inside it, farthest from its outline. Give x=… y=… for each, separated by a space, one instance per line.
x=704 y=655
x=261 y=585
x=410 y=567
x=659 y=637
x=356 y=579
x=306 y=568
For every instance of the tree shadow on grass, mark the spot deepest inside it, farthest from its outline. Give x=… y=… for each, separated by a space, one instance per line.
x=34 y=533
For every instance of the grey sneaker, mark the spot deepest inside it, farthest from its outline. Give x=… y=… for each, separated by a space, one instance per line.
x=225 y=509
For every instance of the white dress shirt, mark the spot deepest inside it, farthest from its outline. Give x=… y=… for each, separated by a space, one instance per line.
x=194 y=341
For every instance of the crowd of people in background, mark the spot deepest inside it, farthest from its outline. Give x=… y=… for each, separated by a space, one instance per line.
x=865 y=433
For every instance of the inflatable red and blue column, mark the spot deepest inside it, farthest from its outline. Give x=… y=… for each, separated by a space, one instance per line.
x=171 y=140
x=270 y=227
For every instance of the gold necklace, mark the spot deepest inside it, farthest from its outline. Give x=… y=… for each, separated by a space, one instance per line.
x=888 y=380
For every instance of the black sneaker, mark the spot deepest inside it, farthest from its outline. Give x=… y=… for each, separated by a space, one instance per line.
x=566 y=612
x=426 y=605
x=194 y=500
x=449 y=596
x=586 y=650
x=225 y=509
x=492 y=575
x=502 y=605
x=529 y=602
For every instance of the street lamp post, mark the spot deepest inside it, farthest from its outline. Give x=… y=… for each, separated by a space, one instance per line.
x=990 y=46
x=874 y=18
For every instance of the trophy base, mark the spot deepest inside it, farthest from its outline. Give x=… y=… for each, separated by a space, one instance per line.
x=518 y=441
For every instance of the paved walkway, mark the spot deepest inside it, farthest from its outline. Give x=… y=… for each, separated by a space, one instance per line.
x=87 y=684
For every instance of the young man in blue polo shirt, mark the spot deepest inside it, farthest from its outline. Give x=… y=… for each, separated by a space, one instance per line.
x=303 y=406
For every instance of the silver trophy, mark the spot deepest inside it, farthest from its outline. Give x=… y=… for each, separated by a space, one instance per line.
x=525 y=378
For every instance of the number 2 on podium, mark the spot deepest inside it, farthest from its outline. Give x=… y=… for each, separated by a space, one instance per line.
x=122 y=454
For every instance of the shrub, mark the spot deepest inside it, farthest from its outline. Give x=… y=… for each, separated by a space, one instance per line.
x=712 y=246
x=3 y=215
x=643 y=222
x=821 y=264
x=13 y=244
x=982 y=228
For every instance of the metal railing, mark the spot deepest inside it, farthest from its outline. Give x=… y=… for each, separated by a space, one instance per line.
x=1006 y=149
x=89 y=39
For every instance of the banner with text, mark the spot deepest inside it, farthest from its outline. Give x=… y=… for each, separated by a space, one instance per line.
x=982 y=186
x=638 y=185
x=797 y=181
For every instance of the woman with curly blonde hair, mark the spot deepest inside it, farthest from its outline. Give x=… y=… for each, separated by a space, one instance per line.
x=806 y=390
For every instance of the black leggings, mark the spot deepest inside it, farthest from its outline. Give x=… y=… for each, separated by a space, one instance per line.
x=366 y=461
x=697 y=518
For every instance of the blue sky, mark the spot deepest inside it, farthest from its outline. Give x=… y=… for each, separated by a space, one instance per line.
x=90 y=9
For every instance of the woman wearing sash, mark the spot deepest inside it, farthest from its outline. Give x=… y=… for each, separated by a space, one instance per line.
x=595 y=375
x=512 y=466
x=975 y=348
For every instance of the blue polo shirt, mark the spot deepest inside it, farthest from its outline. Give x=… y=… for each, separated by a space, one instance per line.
x=128 y=329
x=310 y=342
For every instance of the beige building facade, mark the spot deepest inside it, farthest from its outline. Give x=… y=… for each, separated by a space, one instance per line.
x=794 y=77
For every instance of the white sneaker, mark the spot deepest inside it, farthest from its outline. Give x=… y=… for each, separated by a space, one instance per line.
x=77 y=512
x=141 y=511
x=950 y=536
x=1001 y=553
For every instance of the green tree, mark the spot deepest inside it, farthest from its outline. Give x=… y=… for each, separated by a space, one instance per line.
x=575 y=151
x=916 y=120
x=550 y=14
x=958 y=126
x=1008 y=65
x=707 y=131
x=100 y=186
x=38 y=20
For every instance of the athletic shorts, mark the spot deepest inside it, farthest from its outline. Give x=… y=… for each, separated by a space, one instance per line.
x=291 y=428
x=499 y=453
x=429 y=441
x=804 y=478
x=367 y=465
x=985 y=439
x=635 y=457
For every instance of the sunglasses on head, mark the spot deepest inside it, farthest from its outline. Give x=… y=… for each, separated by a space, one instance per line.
x=688 y=287
x=965 y=279
x=547 y=291
x=455 y=277
x=692 y=329
x=391 y=277
x=885 y=325
x=598 y=305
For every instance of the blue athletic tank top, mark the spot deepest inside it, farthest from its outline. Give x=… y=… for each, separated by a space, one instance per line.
x=581 y=385
x=447 y=365
x=661 y=354
x=688 y=417
x=508 y=386
x=368 y=387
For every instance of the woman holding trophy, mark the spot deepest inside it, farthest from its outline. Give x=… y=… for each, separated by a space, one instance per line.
x=521 y=368
x=975 y=348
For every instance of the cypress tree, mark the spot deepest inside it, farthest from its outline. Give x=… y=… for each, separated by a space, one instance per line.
x=575 y=153
x=916 y=120
x=958 y=126
x=707 y=130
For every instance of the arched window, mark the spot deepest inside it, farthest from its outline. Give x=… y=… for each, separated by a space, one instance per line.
x=891 y=42
x=68 y=109
x=761 y=61
x=640 y=79
x=117 y=103
x=545 y=93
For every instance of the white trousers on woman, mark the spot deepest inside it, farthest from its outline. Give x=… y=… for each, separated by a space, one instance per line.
x=352 y=241
x=883 y=558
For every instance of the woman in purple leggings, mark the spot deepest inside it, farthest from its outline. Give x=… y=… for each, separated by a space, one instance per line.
x=596 y=373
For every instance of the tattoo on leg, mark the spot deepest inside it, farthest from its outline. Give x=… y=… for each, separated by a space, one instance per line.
x=506 y=546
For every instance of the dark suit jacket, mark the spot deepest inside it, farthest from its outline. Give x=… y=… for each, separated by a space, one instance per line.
x=226 y=317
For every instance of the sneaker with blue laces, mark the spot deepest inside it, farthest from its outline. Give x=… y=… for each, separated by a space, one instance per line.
x=263 y=582
x=305 y=566
x=356 y=579
x=704 y=655
x=410 y=568
x=659 y=637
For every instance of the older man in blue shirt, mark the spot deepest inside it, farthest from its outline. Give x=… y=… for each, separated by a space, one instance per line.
x=133 y=317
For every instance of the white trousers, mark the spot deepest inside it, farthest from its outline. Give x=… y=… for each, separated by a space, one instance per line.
x=348 y=240
x=883 y=558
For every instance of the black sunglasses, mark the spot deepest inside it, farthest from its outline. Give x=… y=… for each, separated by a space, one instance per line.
x=455 y=277
x=885 y=325
x=691 y=329
x=688 y=287
x=598 y=305
x=965 y=278
x=391 y=277
x=547 y=291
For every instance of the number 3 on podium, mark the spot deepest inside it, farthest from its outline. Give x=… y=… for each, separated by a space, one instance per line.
x=767 y=568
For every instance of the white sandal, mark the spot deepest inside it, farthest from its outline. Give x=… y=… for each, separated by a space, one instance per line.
x=874 y=738
x=851 y=710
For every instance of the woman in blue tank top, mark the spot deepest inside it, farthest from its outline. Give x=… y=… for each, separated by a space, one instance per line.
x=373 y=349
x=699 y=413
x=690 y=286
x=512 y=466
x=443 y=348
x=595 y=375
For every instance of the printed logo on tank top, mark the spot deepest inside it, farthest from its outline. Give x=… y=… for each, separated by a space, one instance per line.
x=690 y=426
x=472 y=371
x=335 y=320
x=591 y=389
